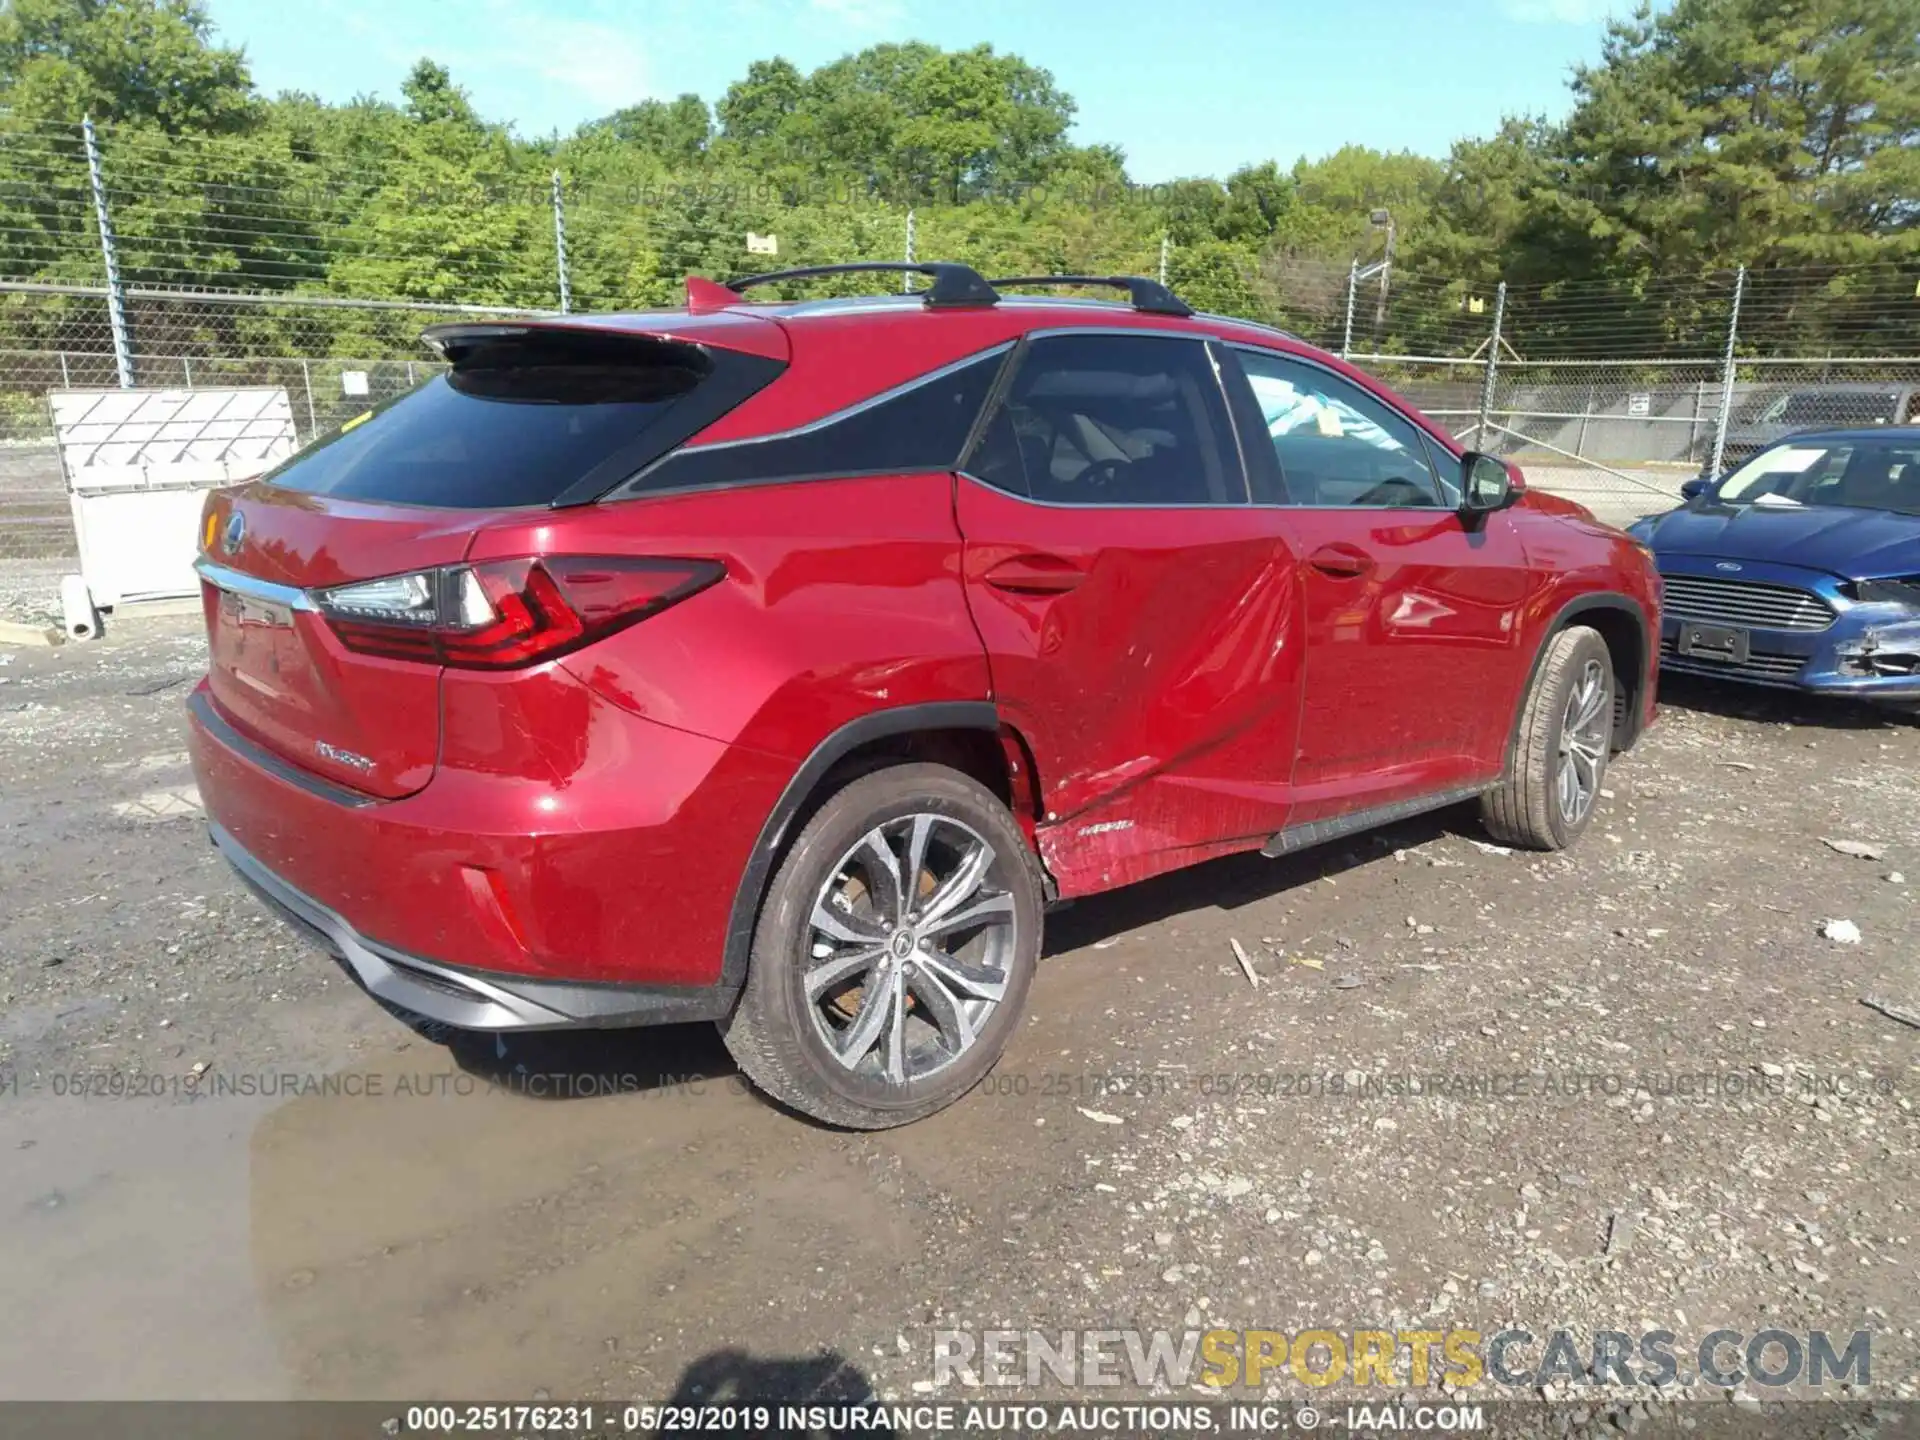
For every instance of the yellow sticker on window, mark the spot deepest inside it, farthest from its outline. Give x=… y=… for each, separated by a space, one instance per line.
x=360 y=419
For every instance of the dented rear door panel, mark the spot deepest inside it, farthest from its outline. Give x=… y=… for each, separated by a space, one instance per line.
x=1151 y=660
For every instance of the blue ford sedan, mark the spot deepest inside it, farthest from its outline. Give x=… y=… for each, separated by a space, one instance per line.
x=1800 y=569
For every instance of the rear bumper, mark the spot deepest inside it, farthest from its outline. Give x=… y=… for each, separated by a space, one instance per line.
x=470 y=999
x=590 y=882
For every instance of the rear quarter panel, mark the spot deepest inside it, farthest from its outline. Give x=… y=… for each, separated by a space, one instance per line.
x=841 y=597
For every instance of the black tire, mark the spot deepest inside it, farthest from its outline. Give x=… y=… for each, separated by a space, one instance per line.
x=1528 y=807
x=773 y=1032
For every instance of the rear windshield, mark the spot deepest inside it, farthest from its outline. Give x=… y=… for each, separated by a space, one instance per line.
x=519 y=429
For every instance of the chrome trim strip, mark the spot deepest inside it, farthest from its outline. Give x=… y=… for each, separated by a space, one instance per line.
x=234 y=582
x=201 y=708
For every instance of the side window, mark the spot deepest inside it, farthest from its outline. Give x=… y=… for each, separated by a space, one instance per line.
x=1113 y=420
x=921 y=426
x=1336 y=444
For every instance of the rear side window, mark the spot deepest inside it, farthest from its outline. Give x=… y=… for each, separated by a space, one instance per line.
x=922 y=425
x=536 y=418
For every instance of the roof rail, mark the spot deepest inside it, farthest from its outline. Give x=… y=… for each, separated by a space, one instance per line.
x=952 y=284
x=1145 y=294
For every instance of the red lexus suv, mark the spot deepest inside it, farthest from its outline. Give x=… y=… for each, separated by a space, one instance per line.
x=777 y=664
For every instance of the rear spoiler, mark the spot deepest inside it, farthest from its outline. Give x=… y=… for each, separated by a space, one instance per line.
x=463 y=341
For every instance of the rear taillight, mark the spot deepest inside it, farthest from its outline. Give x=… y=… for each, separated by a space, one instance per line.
x=505 y=613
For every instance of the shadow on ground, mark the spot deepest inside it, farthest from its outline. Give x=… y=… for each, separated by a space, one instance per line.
x=726 y=1382
x=1783 y=707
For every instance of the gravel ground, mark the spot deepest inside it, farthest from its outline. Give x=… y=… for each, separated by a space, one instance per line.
x=1715 y=1130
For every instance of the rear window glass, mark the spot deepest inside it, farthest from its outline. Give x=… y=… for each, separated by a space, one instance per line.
x=518 y=431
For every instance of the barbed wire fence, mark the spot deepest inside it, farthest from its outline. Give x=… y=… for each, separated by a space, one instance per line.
x=132 y=258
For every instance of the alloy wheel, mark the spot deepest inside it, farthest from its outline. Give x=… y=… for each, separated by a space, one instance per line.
x=1584 y=740
x=909 y=947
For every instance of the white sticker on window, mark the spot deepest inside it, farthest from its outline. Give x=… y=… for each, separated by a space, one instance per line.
x=1791 y=461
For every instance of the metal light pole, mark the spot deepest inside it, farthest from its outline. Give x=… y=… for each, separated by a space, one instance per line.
x=1165 y=241
x=906 y=281
x=1493 y=365
x=1382 y=219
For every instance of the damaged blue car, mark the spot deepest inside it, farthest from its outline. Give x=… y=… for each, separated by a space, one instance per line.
x=1800 y=569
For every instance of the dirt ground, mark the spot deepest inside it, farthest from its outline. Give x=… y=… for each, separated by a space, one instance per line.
x=1732 y=1141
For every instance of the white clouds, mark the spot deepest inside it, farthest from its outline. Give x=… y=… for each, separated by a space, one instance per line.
x=517 y=62
x=1564 y=12
x=606 y=64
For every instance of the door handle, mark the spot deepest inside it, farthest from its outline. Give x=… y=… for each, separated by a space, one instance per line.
x=1345 y=561
x=1035 y=575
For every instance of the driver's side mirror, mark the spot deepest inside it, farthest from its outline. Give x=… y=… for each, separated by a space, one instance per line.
x=1488 y=483
x=1697 y=486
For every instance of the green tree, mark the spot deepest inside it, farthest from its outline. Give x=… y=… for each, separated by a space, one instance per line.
x=677 y=130
x=1757 y=131
x=148 y=62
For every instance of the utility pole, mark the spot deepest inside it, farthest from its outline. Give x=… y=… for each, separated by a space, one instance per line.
x=116 y=296
x=560 y=245
x=1165 y=241
x=906 y=280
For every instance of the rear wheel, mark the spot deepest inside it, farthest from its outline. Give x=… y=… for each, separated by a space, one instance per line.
x=894 y=951
x=1560 y=755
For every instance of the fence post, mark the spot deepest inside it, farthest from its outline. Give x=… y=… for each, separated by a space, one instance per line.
x=560 y=245
x=1353 y=284
x=66 y=380
x=116 y=296
x=306 y=381
x=1493 y=365
x=906 y=281
x=1166 y=242
x=1726 y=372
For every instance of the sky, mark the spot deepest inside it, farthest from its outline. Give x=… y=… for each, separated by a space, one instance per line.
x=1184 y=87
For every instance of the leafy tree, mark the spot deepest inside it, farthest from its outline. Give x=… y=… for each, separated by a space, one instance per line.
x=677 y=130
x=756 y=107
x=142 y=61
x=1757 y=131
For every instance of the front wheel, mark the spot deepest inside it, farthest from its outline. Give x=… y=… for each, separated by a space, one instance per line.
x=893 y=952
x=1559 y=761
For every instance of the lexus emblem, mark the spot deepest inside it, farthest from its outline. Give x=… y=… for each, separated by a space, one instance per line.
x=235 y=532
x=1727 y=565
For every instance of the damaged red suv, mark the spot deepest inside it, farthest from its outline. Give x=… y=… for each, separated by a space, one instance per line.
x=776 y=664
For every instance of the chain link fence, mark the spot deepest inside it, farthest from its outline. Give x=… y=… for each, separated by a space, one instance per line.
x=1613 y=392
x=334 y=357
